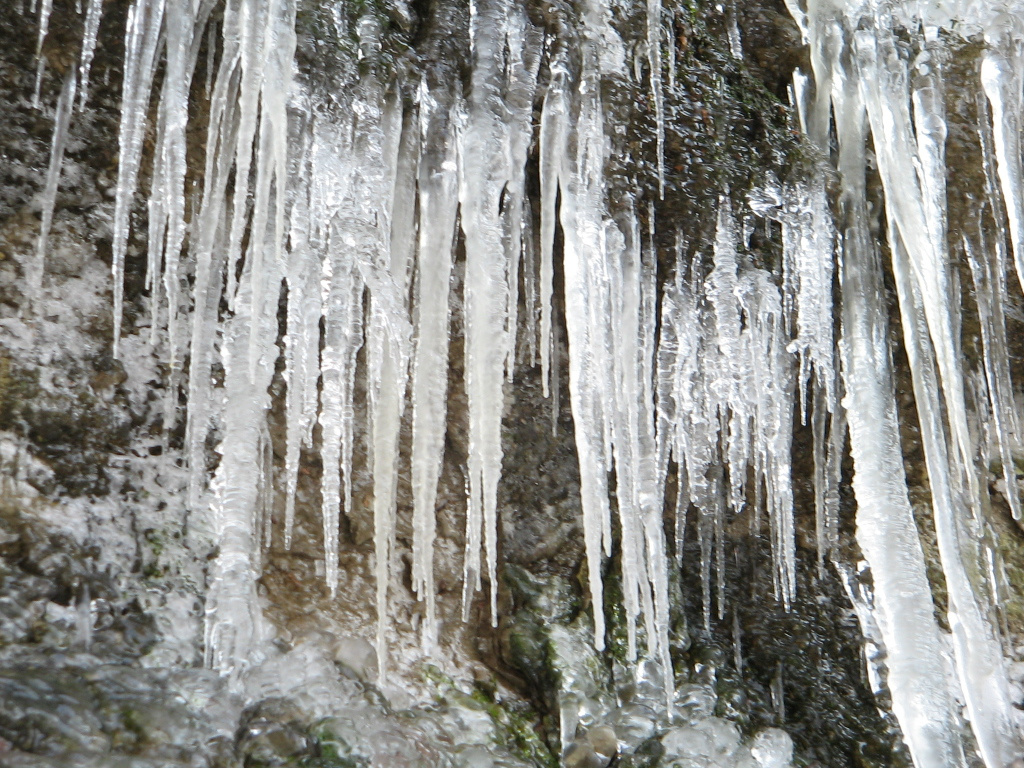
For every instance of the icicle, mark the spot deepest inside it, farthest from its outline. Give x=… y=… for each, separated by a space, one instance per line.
x=524 y=43
x=808 y=237
x=988 y=269
x=917 y=240
x=45 y=9
x=234 y=624
x=1002 y=77
x=586 y=319
x=242 y=485
x=530 y=288
x=735 y=40
x=978 y=654
x=654 y=64
x=438 y=203
x=141 y=39
x=302 y=340
x=246 y=25
x=167 y=201
x=919 y=209
x=92 y=27
x=496 y=135
x=885 y=526
x=61 y=121
x=886 y=530
x=554 y=127
x=342 y=312
x=272 y=153
x=671 y=52
x=210 y=256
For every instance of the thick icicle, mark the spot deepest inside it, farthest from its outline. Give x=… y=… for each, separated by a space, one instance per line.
x=978 y=652
x=438 y=203
x=917 y=241
x=388 y=337
x=886 y=530
x=918 y=209
x=183 y=30
x=234 y=624
x=209 y=246
x=581 y=213
x=492 y=137
x=145 y=20
x=864 y=70
x=243 y=491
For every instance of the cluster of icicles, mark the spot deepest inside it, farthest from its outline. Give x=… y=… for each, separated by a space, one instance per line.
x=354 y=205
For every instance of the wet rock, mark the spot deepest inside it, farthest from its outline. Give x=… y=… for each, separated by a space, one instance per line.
x=633 y=725
x=271 y=735
x=604 y=740
x=772 y=748
x=583 y=755
x=713 y=740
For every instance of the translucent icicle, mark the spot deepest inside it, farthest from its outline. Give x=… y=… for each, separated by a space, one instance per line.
x=978 y=653
x=483 y=184
x=524 y=43
x=243 y=482
x=167 y=203
x=1002 y=77
x=342 y=312
x=93 y=15
x=438 y=204
x=245 y=24
x=272 y=154
x=554 y=128
x=234 y=623
x=145 y=19
x=654 y=64
x=988 y=269
x=45 y=9
x=210 y=246
x=61 y=122
x=302 y=341
x=886 y=530
x=919 y=209
x=585 y=318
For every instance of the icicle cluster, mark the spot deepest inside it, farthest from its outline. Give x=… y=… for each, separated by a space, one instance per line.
x=349 y=209
x=341 y=203
x=873 y=84
x=725 y=402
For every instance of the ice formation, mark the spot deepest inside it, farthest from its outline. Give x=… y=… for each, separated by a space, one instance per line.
x=351 y=210
x=875 y=85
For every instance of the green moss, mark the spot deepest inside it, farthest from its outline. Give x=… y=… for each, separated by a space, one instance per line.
x=329 y=751
x=515 y=723
x=17 y=387
x=516 y=727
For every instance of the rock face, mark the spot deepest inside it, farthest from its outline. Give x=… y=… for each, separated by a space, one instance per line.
x=104 y=565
